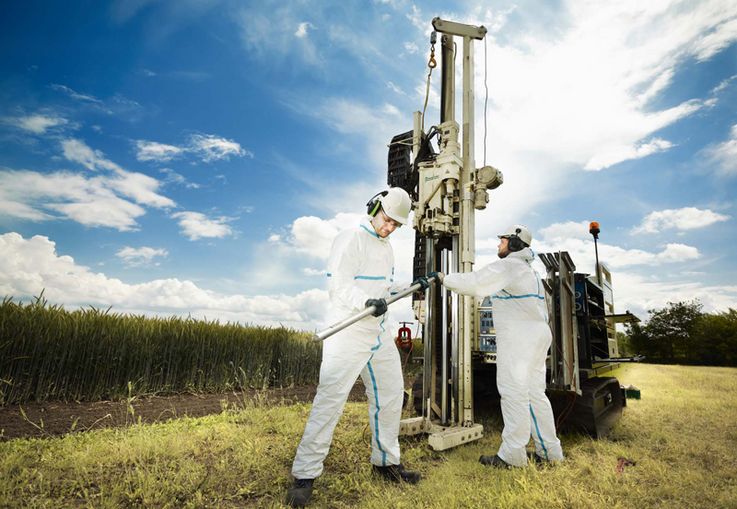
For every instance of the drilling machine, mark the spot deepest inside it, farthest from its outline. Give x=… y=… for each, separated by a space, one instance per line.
x=447 y=189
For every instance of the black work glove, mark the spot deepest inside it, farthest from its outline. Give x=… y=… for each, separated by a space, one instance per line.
x=437 y=275
x=423 y=282
x=380 y=306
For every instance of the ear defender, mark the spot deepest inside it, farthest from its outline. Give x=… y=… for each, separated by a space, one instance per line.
x=374 y=204
x=515 y=243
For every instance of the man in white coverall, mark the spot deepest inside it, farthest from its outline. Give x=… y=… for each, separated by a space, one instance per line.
x=360 y=274
x=523 y=338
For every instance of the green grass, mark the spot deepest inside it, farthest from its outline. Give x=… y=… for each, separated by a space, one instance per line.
x=681 y=436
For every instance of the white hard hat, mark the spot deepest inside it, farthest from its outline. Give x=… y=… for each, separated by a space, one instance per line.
x=396 y=204
x=518 y=230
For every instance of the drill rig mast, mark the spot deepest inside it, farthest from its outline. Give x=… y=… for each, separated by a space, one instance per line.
x=447 y=188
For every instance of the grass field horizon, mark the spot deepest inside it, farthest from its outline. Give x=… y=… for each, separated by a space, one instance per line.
x=679 y=438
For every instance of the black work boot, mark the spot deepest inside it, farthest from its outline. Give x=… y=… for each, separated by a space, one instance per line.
x=300 y=493
x=397 y=473
x=494 y=461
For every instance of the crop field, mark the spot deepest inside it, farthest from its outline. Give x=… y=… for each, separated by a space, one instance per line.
x=49 y=353
x=673 y=448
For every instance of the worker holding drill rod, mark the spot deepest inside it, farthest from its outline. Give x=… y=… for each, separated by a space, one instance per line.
x=360 y=276
x=523 y=338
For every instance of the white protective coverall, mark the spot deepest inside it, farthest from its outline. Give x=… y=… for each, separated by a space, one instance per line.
x=523 y=338
x=361 y=267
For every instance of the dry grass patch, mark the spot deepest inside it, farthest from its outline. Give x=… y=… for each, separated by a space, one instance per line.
x=680 y=437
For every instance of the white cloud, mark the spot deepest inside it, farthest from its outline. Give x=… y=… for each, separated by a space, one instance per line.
x=271 y=34
x=687 y=218
x=308 y=271
x=302 y=29
x=638 y=293
x=581 y=97
x=89 y=201
x=207 y=147
x=627 y=152
x=374 y=123
x=138 y=186
x=724 y=154
x=716 y=40
x=11 y=208
x=574 y=238
x=75 y=95
x=723 y=84
x=77 y=151
x=393 y=87
x=95 y=201
x=154 y=151
x=195 y=225
x=411 y=48
x=37 y=123
x=567 y=230
x=314 y=236
x=176 y=178
x=29 y=266
x=632 y=291
x=136 y=257
x=214 y=148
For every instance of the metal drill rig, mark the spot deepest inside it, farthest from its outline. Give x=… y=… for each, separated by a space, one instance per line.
x=447 y=188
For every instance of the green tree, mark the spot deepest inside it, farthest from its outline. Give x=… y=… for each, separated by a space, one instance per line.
x=624 y=345
x=716 y=339
x=669 y=333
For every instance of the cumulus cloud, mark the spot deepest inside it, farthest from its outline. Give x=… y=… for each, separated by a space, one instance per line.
x=574 y=238
x=195 y=225
x=314 y=236
x=154 y=151
x=687 y=218
x=30 y=266
x=136 y=257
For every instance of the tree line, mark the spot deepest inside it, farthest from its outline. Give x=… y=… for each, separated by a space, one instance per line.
x=681 y=333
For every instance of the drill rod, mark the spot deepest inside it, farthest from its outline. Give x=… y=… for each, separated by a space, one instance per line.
x=337 y=327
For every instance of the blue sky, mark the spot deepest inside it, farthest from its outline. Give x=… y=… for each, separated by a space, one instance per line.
x=196 y=157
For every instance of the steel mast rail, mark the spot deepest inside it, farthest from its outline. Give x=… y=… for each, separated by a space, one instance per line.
x=343 y=324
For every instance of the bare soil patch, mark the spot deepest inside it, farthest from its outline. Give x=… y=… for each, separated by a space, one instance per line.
x=54 y=418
